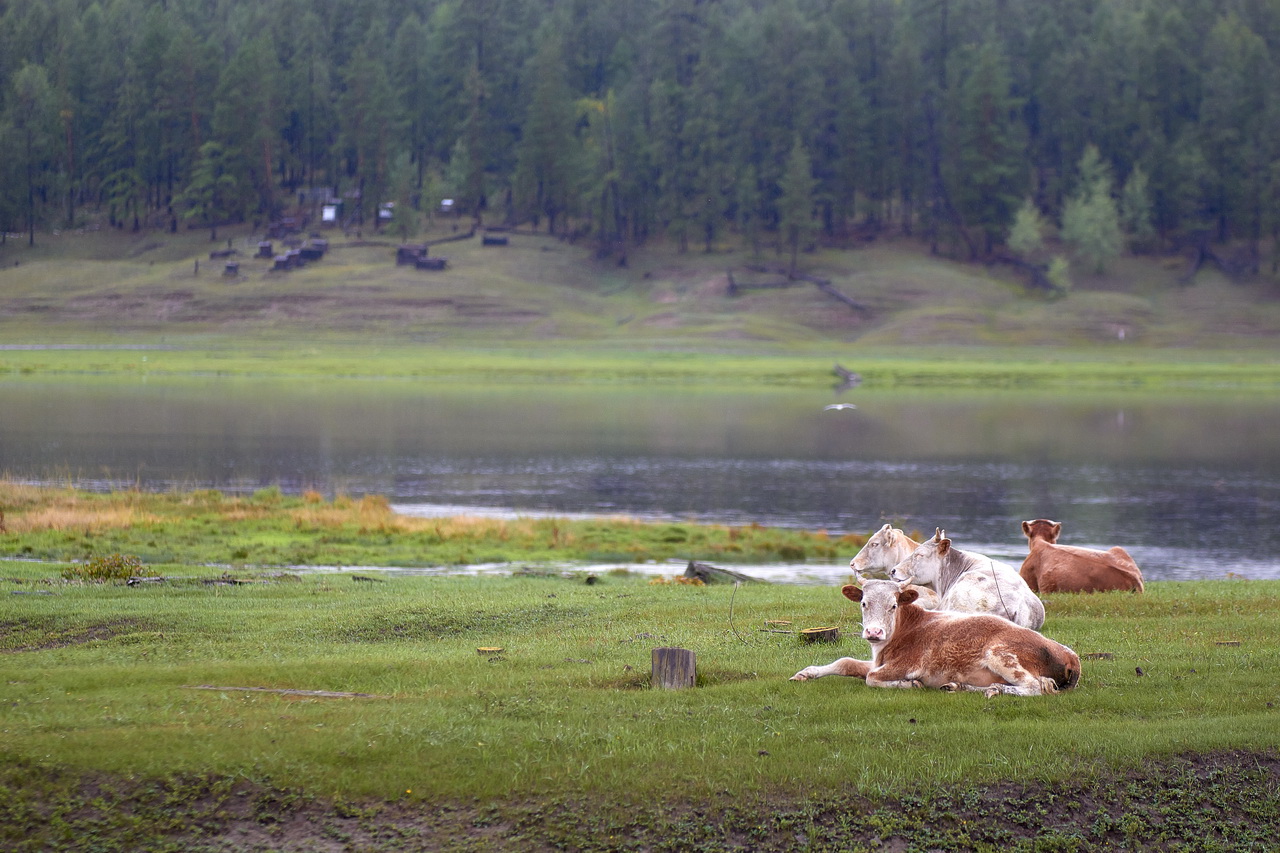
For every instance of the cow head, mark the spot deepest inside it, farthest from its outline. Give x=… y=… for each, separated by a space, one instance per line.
x=880 y=601
x=1042 y=528
x=925 y=563
x=873 y=554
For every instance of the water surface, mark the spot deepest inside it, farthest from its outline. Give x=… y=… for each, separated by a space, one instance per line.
x=1190 y=485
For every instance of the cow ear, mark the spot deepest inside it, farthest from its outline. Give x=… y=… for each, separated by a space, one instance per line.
x=944 y=545
x=1057 y=530
x=1026 y=529
x=937 y=534
x=908 y=595
x=886 y=528
x=851 y=592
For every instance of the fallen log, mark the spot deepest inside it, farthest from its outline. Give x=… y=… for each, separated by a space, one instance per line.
x=467 y=236
x=827 y=288
x=708 y=573
x=848 y=379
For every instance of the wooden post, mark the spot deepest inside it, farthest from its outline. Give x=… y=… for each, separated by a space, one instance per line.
x=673 y=668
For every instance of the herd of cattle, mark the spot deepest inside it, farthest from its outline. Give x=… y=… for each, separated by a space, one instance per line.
x=937 y=616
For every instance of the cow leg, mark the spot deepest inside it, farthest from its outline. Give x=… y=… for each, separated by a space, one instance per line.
x=845 y=666
x=894 y=676
x=878 y=680
x=1017 y=679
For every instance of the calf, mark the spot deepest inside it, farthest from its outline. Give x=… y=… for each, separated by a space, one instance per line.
x=914 y=647
x=887 y=547
x=971 y=583
x=1050 y=567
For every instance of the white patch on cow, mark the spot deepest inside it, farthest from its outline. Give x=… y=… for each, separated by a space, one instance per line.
x=970 y=582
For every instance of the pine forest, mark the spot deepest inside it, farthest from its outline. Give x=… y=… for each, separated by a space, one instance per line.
x=1144 y=124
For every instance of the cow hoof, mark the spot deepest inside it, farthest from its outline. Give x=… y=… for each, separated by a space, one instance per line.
x=802 y=675
x=950 y=687
x=991 y=691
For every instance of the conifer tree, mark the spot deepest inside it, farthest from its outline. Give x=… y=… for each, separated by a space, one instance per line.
x=795 y=206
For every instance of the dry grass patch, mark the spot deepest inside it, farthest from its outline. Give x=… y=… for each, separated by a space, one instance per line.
x=72 y=515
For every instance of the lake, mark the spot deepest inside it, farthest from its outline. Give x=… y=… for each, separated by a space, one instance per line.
x=1190 y=485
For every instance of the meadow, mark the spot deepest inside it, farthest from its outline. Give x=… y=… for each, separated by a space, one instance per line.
x=251 y=707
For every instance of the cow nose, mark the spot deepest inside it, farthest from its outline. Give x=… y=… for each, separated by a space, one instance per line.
x=873 y=634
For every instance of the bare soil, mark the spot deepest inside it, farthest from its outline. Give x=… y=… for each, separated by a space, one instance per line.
x=1226 y=801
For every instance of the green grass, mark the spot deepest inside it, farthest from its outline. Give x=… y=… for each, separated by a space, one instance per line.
x=577 y=364
x=100 y=676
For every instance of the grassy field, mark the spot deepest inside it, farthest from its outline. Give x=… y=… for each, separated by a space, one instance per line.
x=516 y=712
x=113 y=682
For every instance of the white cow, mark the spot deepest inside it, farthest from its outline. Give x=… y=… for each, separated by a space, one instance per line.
x=971 y=582
x=887 y=547
x=913 y=647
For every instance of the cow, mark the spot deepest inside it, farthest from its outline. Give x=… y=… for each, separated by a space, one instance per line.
x=914 y=647
x=1050 y=567
x=887 y=547
x=970 y=582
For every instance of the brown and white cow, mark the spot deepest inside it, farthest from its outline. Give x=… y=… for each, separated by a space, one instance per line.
x=914 y=647
x=887 y=547
x=1050 y=567
x=970 y=582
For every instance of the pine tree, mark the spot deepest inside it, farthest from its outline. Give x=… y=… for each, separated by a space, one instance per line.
x=213 y=193
x=795 y=207
x=547 y=166
x=32 y=116
x=1135 y=209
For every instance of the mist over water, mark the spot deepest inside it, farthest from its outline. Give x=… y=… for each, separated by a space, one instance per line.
x=1189 y=485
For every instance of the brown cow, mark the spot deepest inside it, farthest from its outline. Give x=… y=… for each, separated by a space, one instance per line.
x=1050 y=567
x=914 y=647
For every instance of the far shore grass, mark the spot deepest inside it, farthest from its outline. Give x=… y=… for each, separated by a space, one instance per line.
x=271 y=529
x=1101 y=368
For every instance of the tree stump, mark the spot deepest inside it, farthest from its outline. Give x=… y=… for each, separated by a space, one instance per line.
x=824 y=634
x=673 y=668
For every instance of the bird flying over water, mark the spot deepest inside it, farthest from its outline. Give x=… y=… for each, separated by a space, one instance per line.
x=836 y=407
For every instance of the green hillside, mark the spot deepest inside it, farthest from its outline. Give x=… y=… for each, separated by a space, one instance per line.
x=111 y=287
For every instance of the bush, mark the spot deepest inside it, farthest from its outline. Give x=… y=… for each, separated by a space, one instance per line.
x=271 y=495
x=116 y=567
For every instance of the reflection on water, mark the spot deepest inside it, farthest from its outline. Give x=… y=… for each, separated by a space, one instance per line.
x=1190 y=486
